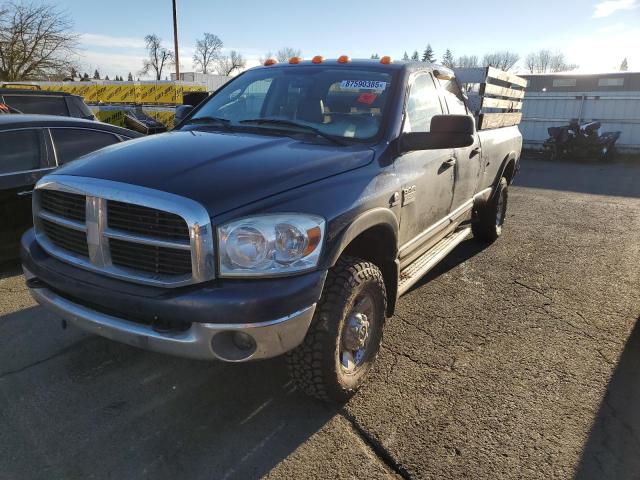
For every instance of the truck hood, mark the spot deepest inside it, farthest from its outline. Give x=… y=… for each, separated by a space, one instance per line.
x=221 y=171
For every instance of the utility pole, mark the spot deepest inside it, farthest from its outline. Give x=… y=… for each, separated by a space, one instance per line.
x=175 y=40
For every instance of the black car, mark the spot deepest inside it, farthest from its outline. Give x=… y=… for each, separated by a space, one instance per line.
x=30 y=147
x=45 y=103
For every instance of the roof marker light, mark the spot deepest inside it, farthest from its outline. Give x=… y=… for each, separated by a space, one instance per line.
x=386 y=60
x=295 y=60
x=270 y=61
x=344 y=59
x=317 y=59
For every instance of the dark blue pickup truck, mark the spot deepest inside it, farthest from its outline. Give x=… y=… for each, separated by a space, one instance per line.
x=284 y=215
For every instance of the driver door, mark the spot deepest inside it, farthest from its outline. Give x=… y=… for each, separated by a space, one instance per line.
x=427 y=177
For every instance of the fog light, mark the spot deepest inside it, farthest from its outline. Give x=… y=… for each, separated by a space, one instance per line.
x=243 y=341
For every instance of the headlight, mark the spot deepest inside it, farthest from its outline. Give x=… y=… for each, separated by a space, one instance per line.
x=276 y=244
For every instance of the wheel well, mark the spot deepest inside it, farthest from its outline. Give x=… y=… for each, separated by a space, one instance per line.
x=378 y=245
x=509 y=170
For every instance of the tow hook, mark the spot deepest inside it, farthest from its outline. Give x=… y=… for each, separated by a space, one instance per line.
x=35 y=282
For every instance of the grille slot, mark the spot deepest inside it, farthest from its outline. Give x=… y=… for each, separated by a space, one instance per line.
x=150 y=258
x=147 y=221
x=64 y=204
x=66 y=238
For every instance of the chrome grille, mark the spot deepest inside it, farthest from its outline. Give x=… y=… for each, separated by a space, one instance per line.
x=67 y=238
x=147 y=221
x=128 y=232
x=67 y=205
x=150 y=258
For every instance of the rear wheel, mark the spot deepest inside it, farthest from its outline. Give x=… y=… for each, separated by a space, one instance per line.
x=343 y=340
x=489 y=217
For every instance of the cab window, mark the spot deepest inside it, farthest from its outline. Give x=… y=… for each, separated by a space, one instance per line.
x=423 y=103
x=453 y=96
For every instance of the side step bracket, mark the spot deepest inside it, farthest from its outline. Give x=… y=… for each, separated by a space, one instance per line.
x=419 y=268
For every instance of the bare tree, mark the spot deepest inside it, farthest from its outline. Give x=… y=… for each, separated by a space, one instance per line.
x=544 y=61
x=207 y=52
x=228 y=64
x=36 y=42
x=559 y=64
x=468 y=61
x=266 y=57
x=159 y=57
x=503 y=60
x=285 y=53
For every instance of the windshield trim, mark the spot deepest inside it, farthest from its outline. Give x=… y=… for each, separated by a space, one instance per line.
x=385 y=124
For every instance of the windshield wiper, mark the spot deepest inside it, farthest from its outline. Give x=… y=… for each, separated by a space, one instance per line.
x=290 y=123
x=219 y=120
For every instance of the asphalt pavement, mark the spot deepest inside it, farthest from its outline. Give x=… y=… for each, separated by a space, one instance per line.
x=519 y=359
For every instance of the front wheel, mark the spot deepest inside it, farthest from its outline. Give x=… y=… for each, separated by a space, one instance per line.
x=343 y=340
x=489 y=217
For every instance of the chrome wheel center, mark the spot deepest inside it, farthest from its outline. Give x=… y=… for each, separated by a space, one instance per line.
x=356 y=332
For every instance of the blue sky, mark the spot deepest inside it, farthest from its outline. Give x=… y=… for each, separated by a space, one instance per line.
x=597 y=35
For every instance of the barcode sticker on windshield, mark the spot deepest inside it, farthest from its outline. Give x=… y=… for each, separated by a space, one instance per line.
x=363 y=85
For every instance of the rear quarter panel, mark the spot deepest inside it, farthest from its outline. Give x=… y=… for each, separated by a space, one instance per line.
x=498 y=146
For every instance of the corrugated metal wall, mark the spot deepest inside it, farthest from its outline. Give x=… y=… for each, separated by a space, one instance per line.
x=617 y=111
x=212 y=81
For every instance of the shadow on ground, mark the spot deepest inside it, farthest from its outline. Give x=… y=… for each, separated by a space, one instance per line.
x=463 y=252
x=10 y=268
x=612 y=448
x=74 y=405
x=617 y=179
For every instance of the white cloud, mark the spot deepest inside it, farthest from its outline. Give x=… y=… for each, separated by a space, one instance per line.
x=609 y=7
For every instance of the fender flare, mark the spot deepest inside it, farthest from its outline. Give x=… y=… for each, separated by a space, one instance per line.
x=510 y=158
x=376 y=217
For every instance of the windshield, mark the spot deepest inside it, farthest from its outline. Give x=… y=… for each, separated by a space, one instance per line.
x=332 y=101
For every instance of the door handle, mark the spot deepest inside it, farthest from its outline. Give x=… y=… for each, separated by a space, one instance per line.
x=25 y=193
x=474 y=152
x=449 y=163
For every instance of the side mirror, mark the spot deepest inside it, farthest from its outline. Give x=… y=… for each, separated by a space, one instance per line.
x=181 y=113
x=447 y=131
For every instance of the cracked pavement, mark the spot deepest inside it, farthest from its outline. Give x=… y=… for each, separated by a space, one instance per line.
x=519 y=359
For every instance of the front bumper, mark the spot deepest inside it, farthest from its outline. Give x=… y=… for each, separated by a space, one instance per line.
x=204 y=321
x=203 y=341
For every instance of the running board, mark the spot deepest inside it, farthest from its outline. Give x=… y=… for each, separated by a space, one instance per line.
x=416 y=270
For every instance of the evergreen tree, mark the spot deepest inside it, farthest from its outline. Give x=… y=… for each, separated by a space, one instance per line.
x=448 y=60
x=96 y=75
x=624 y=66
x=85 y=77
x=107 y=77
x=405 y=57
x=130 y=77
x=416 y=56
x=428 y=55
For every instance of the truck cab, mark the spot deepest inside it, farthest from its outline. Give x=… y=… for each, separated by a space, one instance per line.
x=284 y=215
